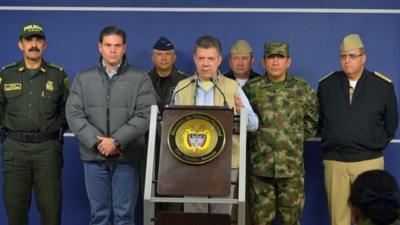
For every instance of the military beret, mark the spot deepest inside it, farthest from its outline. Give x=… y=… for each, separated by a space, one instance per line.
x=163 y=44
x=276 y=48
x=241 y=47
x=32 y=29
x=351 y=42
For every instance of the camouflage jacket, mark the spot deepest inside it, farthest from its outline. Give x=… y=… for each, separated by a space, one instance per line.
x=288 y=115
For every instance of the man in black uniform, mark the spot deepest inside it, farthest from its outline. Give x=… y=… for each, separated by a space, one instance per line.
x=358 y=118
x=33 y=94
x=164 y=75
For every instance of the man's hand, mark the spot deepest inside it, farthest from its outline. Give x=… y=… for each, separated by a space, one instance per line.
x=238 y=103
x=107 y=146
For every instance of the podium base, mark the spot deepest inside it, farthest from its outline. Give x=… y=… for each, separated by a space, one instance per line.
x=182 y=218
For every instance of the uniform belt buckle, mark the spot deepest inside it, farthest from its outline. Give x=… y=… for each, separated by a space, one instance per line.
x=27 y=137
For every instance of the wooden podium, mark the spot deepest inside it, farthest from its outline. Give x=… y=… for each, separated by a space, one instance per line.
x=187 y=173
x=195 y=159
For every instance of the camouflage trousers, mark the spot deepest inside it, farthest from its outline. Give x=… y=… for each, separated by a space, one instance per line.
x=269 y=195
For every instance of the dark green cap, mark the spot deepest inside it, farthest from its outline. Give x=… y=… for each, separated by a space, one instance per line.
x=32 y=29
x=276 y=48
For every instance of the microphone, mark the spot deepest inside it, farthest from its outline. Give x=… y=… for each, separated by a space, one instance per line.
x=219 y=89
x=187 y=85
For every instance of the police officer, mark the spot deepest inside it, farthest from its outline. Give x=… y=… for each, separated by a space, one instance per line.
x=164 y=75
x=287 y=108
x=33 y=94
x=358 y=118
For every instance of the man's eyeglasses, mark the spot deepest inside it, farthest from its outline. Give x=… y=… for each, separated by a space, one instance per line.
x=350 y=56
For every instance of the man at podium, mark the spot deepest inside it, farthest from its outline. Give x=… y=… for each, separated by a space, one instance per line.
x=208 y=87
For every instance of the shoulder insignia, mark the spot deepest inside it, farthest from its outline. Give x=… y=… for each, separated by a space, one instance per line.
x=382 y=76
x=55 y=66
x=67 y=83
x=43 y=69
x=181 y=73
x=9 y=65
x=326 y=76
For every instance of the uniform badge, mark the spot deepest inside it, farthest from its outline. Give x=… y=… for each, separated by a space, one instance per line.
x=49 y=85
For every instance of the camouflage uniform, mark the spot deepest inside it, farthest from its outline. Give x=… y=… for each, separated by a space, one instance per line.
x=288 y=114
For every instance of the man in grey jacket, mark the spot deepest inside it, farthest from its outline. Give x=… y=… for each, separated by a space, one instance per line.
x=108 y=110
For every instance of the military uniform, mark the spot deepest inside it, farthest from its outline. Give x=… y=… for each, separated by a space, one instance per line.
x=288 y=114
x=165 y=86
x=32 y=115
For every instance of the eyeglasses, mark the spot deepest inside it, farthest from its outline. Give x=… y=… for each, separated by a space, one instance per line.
x=350 y=56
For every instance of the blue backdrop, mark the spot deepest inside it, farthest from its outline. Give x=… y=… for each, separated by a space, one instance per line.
x=313 y=28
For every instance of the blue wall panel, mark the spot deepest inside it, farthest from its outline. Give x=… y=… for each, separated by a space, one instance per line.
x=314 y=40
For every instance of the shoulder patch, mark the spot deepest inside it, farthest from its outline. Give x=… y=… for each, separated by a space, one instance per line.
x=326 y=76
x=9 y=65
x=67 y=83
x=383 y=77
x=55 y=66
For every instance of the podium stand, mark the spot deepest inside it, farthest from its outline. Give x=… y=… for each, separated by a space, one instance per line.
x=184 y=162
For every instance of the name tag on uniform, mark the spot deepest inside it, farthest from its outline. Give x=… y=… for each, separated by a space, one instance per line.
x=12 y=87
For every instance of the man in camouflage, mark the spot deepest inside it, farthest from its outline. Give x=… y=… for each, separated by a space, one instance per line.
x=287 y=108
x=33 y=94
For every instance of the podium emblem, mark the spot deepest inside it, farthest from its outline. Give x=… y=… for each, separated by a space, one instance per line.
x=196 y=138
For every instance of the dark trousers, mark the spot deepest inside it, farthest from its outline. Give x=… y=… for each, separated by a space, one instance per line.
x=37 y=166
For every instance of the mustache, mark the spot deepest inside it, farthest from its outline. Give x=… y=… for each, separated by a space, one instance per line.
x=34 y=49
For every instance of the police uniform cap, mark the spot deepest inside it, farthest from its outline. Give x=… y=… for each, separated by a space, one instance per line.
x=351 y=42
x=276 y=48
x=241 y=47
x=163 y=44
x=32 y=29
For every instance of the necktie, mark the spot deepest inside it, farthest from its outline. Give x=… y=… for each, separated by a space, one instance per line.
x=351 y=92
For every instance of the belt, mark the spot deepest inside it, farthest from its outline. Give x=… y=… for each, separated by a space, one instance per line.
x=31 y=137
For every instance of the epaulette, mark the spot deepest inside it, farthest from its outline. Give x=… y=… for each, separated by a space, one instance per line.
x=10 y=65
x=326 y=76
x=383 y=77
x=55 y=66
x=182 y=73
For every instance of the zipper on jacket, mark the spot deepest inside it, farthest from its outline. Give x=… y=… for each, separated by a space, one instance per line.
x=109 y=82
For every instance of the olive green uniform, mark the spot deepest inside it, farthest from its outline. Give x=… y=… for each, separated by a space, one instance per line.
x=32 y=115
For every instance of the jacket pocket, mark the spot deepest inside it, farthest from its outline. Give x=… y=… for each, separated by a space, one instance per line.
x=49 y=102
x=13 y=101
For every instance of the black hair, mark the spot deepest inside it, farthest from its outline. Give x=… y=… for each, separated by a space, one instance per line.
x=376 y=194
x=112 y=30
x=208 y=42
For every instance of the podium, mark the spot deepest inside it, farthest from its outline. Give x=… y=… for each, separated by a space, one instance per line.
x=195 y=159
